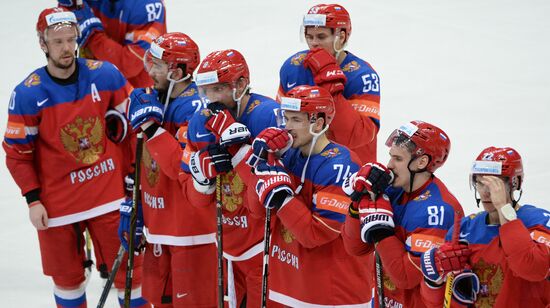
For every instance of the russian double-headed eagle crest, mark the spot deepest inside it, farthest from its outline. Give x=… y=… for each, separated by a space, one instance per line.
x=152 y=170
x=83 y=139
x=232 y=188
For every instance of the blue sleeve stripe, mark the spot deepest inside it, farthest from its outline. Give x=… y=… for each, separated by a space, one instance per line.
x=331 y=215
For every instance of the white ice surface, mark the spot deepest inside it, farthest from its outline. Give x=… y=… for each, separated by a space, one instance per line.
x=478 y=69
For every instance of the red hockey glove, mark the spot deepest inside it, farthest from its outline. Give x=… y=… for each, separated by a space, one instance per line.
x=326 y=72
x=270 y=140
x=274 y=184
x=371 y=179
x=209 y=162
x=223 y=125
x=376 y=219
x=449 y=258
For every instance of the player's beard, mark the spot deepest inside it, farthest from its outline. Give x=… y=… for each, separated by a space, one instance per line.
x=60 y=65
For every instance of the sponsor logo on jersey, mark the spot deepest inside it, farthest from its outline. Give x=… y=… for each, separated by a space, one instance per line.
x=366 y=107
x=15 y=130
x=351 y=67
x=93 y=64
x=33 y=80
x=298 y=59
x=285 y=256
x=152 y=170
x=330 y=153
x=252 y=106
x=541 y=237
x=423 y=242
x=88 y=174
x=181 y=134
x=232 y=191
x=83 y=138
x=189 y=92
x=427 y=194
x=332 y=202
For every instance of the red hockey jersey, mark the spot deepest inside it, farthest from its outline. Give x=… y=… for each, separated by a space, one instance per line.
x=55 y=141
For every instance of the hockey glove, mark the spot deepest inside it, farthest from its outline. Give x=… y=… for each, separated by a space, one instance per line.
x=449 y=258
x=124 y=226
x=116 y=126
x=274 y=185
x=223 y=125
x=209 y=162
x=69 y=4
x=129 y=184
x=144 y=106
x=270 y=140
x=466 y=287
x=326 y=72
x=88 y=24
x=376 y=219
x=371 y=179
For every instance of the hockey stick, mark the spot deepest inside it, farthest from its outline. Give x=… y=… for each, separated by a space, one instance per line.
x=265 y=272
x=219 y=238
x=111 y=279
x=379 y=281
x=451 y=275
x=133 y=218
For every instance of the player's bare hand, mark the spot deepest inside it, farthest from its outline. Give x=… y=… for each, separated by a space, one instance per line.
x=497 y=189
x=38 y=216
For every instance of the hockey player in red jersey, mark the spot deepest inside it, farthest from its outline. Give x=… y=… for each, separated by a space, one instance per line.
x=404 y=210
x=219 y=136
x=308 y=265
x=119 y=32
x=178 y=225
x=352 y=81
x=69 y=170
x=503 y=259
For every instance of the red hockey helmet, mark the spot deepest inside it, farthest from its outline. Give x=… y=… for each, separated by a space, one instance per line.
x=224 y=66
x=500 y=162
x=53 y=17
x=312 y=100
x=332 y=16
x=174 y=48
x=423 y=138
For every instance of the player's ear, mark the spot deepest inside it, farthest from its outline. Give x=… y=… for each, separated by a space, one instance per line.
x=422 y=162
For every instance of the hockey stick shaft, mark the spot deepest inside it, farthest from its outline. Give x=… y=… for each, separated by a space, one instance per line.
x=219 y=239
x=133 y=219
x=111 y=279
x=379 y=280
x=451 y=276
x=265 y=272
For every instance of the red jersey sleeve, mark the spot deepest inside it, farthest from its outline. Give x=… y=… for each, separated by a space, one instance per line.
x=352 y=241
x=528 y=259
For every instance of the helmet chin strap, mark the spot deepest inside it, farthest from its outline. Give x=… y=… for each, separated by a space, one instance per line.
x=171 y=88
x=238 y=99
x=338 y=51
x=311 y=146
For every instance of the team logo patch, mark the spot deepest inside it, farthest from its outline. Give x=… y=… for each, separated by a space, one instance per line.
x=351 y=67
x=33 y=80
x=252 y=106
x=206 y=112
x=152 y=169
x=423 y=196
x=490 y=279
x=232 y=191
x=330 y=153
x=298 y=59
x=93 y=64
x=288 y=237
x=189 y=92
x=388 y=284
x=83 y=138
